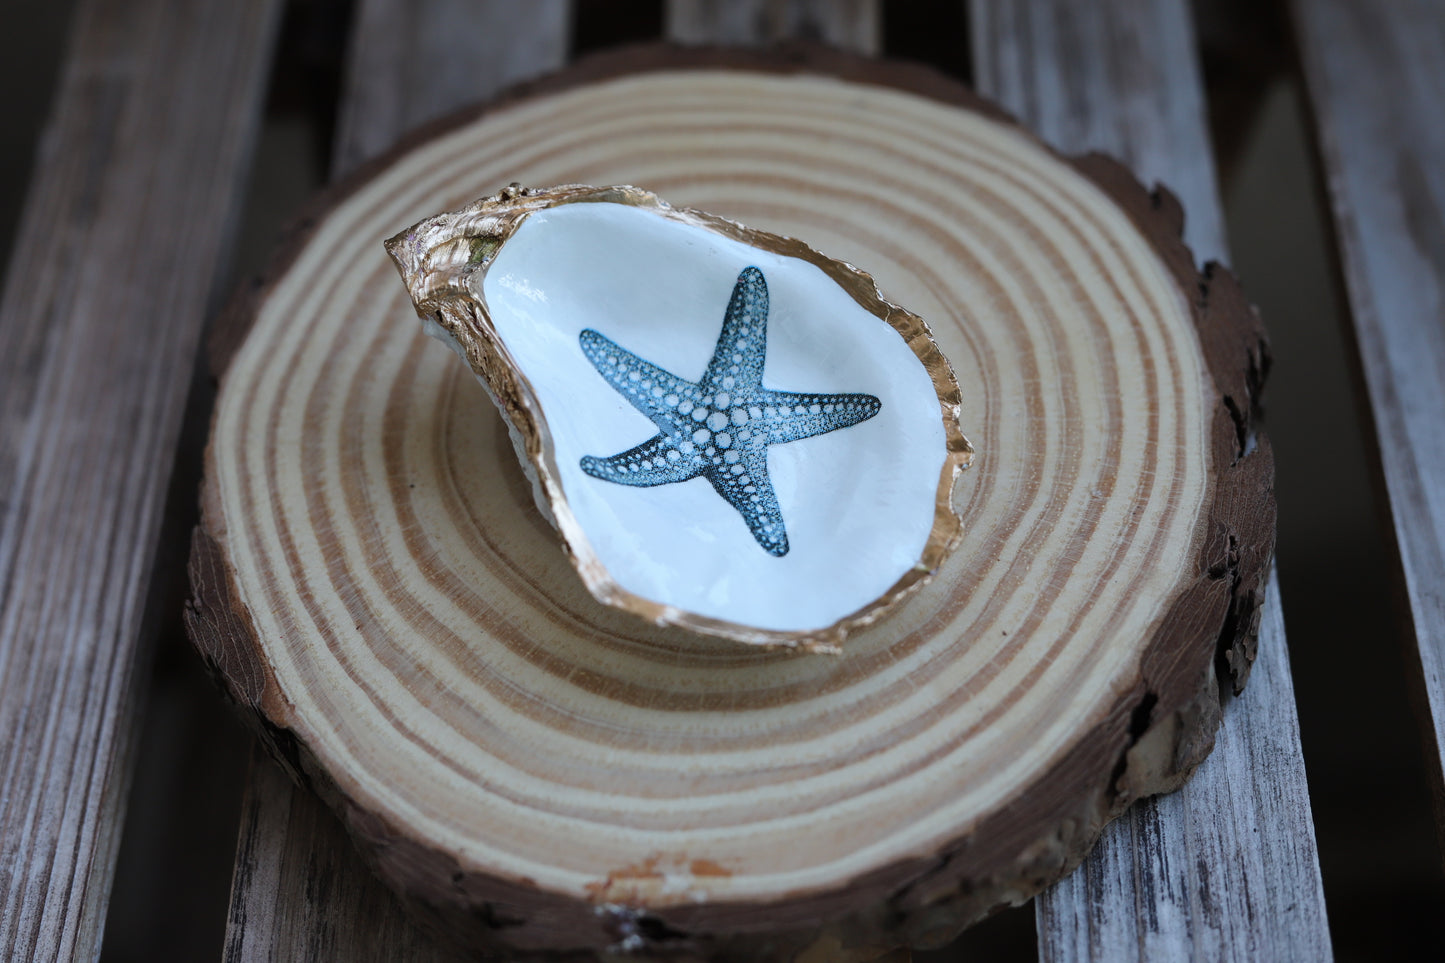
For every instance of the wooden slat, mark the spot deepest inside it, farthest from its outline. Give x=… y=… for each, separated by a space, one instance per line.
x=412 y=62
x=848 y=24
x=134 y=198
x=299 y=890
x=1227 y=867
x=1376 y=73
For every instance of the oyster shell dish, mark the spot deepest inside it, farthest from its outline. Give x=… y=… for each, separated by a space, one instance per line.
x=730 y=431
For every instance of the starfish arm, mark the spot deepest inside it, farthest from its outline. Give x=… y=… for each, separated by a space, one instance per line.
x=737 y=361
x=656 y=461
x=642 y=383
x=788 y=416
x=750 y=491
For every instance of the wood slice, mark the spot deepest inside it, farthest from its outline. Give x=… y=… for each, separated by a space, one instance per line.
x=533 y=771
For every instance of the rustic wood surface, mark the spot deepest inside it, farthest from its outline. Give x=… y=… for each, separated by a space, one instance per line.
x=300 y=890
x=846 y=24
x=302 y=893
x=1122 y=57
x=127 y=221
x=1383 y=148
x=1140 y=726
x=1186 y=876
x=412 y=62
x=339 y=910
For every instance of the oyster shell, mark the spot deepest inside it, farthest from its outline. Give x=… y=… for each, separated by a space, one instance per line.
x=731 y=432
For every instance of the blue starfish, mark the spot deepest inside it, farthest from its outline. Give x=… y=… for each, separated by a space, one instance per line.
x=719 y=427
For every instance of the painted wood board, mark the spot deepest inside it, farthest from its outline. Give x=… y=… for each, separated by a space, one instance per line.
x=132 y=206
x=1374 y=73
x=300 y=891
x=1226 y=868
x=854 y=25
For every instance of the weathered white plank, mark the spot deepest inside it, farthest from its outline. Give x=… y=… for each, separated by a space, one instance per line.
x=848 y=24
x=133 y=201
x=299 y=890
x=1120 y=77
x=1224 y=869
x=412 y=62
x=1376 y=74
x=1227 y=867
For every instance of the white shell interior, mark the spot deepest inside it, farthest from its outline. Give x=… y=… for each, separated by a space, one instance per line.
x=858 y=502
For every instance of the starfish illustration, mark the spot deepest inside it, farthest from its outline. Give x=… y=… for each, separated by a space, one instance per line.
x=719 y=427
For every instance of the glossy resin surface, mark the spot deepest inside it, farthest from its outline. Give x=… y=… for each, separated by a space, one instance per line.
x=776 y=463
x=731 y=431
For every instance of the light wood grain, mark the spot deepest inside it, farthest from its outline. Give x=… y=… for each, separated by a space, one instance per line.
x=847 y=24
x=1375 y=73
x=1227 y=868
x=133 y=202
x=376 y=535
x=299 y=885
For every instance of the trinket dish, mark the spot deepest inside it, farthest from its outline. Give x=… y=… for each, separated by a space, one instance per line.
x=730 y=431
